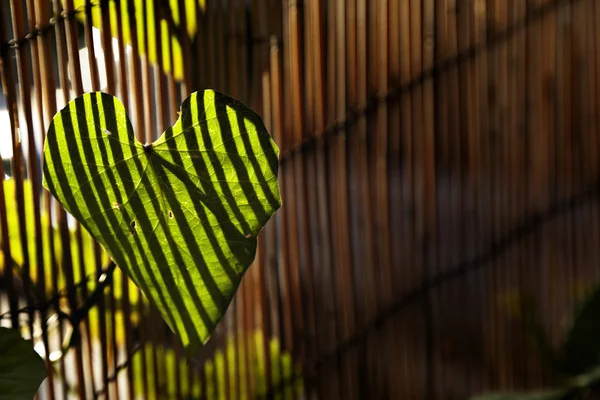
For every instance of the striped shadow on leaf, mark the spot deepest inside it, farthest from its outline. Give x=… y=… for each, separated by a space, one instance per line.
x=180 y=216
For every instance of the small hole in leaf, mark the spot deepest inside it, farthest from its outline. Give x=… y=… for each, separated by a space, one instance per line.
x=133 y=224
x=106 y=131
x=248 y=235
x=116 y=206
x=170 y=214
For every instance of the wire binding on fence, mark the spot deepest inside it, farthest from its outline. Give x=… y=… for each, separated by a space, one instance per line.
x=44 y=29
x=64 y=293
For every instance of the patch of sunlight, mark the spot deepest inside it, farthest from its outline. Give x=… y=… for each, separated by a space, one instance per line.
x=5 y=142
x=86 y=76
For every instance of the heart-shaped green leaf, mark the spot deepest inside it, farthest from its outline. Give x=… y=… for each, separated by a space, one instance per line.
x=179 y=216
x=21 y=368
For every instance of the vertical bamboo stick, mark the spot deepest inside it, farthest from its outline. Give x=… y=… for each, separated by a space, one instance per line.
x=136 y=74
x=209 y=49
x=298 y=241
x=412 y=275
x=201 y=45
x=357 y=26
x=309 y=188
x=308 y=75
x=579 y=138
x=445 y=297
x=307 y=131
x=218 y=37
x=270 y=309
x=6 y=253
x=479 y=142
x=483 y=16
x=381 y=139
x=339 y=159
x=541 y=156
x=148 y=97
x=331 y=116
x=33 y=172
x=397 y=385
x=42 y=12
x=89 y=43
x=7 y=267
x=171 y=83
x=17 y=171
x=418 y=190
x=499 y=155
x=185 y=49
x=280 y=221
x=261 y=321
x=260 y=20
x=561 y=110
x=517 y=85
x=458 y=24
x=109 y=58
x=37 y=46
x=132 y=372
x=120 y=6
x=241 y=388
x=147 y=389
x=162 y=118
x=586 y=13
x=243 y=56
x=249 y=328
x=72 y=50
x=462 y=207
x=330 y=373
x=272 y=250
x=371 y=69
x=429 y=227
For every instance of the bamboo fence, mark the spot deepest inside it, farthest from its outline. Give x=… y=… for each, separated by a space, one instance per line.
x=439 y=163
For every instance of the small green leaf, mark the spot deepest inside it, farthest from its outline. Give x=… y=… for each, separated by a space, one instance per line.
x=21 y=368
x=581 y=350
x=179 y=216
x=585 y=380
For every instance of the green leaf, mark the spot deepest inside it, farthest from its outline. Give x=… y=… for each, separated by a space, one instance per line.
x=581 y=350
x=585 y=380
x=179 y=216
x=21 y=368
